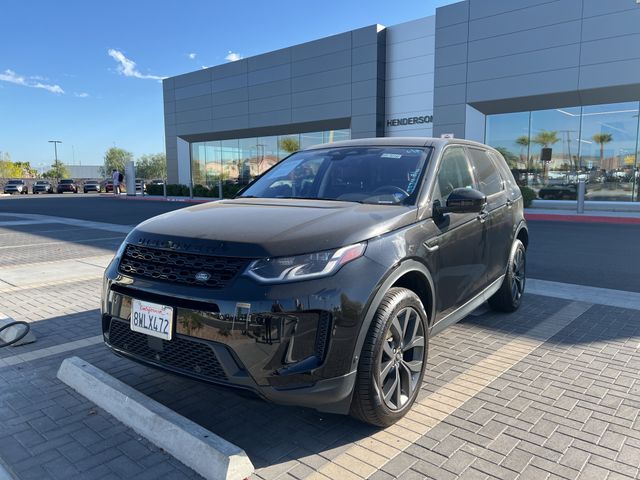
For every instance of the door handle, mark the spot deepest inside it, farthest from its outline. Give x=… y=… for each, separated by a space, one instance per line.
x=431 y=247
x=482 y=216
x=509 y=203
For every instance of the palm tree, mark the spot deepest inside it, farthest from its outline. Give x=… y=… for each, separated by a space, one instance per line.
x=602 y=139
x=524 y=141
x=546 y=138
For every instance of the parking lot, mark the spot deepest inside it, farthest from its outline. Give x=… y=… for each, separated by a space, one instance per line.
x=552 y=391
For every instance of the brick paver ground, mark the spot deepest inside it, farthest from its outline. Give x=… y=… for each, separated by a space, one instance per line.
x=566 y=406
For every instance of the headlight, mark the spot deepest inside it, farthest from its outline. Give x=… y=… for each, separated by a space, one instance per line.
x=304 y=267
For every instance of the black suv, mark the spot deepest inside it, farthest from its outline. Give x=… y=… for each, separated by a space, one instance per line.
x=321 y=283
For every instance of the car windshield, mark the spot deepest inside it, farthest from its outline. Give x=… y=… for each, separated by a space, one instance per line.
x=66 y=181
x=41 y=183
x=380 y=175
x=92 y=182
x=14 y=182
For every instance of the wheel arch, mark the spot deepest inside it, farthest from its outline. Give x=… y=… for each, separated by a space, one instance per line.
x=522 y=234
x=409 y=274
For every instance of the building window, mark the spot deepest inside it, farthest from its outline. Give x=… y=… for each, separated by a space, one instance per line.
x=596 y=143
x=238 y=161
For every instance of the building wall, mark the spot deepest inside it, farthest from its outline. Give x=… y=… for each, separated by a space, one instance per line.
x=495 y=57
x=84 y=171
x=335 y=82
x=409 y=77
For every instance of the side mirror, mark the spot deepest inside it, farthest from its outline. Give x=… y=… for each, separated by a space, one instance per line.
x=463 y=200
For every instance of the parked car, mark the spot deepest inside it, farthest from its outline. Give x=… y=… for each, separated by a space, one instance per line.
x=16 y=186
x=157 y=181
x=67 y=185
x=141 y=186
x=324 y=279
x=91 y=186
x=108 y=186
x=559 y=192
x=42 y=186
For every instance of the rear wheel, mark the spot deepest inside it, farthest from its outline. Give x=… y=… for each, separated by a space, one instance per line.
x=392 y=361
x=509 y=297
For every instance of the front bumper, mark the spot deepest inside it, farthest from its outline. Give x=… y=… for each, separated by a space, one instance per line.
x=291 y=344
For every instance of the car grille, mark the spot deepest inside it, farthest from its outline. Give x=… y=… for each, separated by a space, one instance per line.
x=177 y=267
x=179 y=354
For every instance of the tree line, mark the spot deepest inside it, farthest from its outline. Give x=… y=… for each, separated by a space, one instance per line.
x=147 y=166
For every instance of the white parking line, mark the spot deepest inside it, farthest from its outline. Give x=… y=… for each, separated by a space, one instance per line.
x=88 y=240
x=112 y=227
x=49 y=351
x=373 y=452
x=583 y=293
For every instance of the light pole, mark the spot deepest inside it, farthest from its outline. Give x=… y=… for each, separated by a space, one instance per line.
x=55 y=149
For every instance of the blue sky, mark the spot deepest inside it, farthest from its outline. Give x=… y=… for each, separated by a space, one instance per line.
x=65 y=70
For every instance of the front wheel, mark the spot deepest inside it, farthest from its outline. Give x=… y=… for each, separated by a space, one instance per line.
x=509 y=297
x=392 y=361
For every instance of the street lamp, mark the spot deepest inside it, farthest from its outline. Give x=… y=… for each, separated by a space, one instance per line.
x=55 y=149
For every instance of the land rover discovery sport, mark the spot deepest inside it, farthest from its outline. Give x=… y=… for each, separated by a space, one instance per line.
x=322 y=282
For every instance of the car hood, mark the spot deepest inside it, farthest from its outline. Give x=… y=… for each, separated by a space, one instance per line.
x=270 y=227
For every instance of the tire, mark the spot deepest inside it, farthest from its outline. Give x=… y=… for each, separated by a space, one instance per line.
x=384 y=349
x=509 y=297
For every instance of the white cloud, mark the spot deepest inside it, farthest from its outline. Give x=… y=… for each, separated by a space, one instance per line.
x=12 y=77
x=128 y=68
x=192 y=56
x=81 y=94
x=233 y=56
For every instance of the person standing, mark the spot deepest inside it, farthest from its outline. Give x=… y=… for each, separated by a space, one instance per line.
x=115 y=175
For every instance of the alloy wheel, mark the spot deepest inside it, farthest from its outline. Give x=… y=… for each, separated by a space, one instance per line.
x=401 y=359
x=518 y=275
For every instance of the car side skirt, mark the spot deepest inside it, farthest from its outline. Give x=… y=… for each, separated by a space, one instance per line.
x=468 y=307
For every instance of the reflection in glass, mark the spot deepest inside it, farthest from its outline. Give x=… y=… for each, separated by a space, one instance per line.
x=287 y=144
x=557 y=129
x=236 y=162
x=597 y=144
x=609 y=150
x=310 y=139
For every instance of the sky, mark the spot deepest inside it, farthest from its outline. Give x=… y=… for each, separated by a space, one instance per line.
x=88 y=73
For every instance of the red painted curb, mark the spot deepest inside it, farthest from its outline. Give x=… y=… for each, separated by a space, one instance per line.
x=582 y=218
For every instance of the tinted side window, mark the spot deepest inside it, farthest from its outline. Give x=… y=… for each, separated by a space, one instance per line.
x=486 y=172
x=454 y=173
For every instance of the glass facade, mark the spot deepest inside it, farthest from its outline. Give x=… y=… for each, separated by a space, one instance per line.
x=238 y=161
x=596 y=143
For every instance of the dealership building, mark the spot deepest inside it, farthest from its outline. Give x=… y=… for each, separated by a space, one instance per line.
x=518 y=75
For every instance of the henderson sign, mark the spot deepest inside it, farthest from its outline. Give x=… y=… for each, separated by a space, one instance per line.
x=396 y=122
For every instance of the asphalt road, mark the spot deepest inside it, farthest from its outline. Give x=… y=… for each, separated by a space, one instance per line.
x=88 y=207
x=594 y=254
x=599 y=255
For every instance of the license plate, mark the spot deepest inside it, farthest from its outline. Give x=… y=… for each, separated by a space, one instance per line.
x=151 y=319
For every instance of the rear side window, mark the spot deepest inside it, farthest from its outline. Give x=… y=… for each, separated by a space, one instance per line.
x=486 y=172
x=454 y=173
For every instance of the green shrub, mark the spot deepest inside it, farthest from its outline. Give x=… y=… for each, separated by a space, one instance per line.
x=155 y=190
x=201 y=191
x=177 y=190
x=528 y=195
x=229 y=191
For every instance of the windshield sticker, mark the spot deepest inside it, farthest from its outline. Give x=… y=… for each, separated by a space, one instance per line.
x=390 y=155
x=413 y=178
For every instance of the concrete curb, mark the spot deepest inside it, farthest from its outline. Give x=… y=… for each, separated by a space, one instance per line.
x=209 y=455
